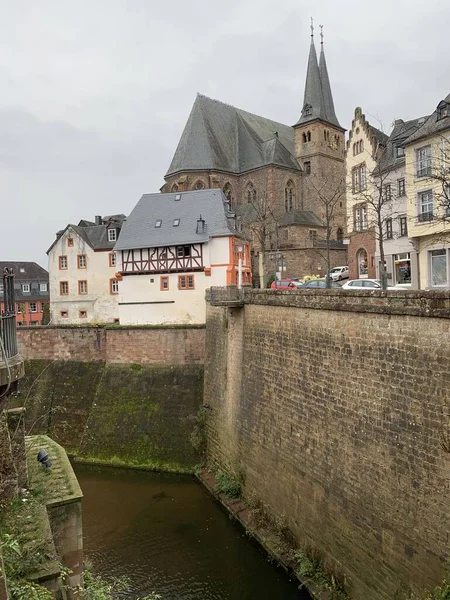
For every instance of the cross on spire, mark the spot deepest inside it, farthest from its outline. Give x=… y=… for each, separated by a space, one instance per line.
x=321 y=34
x=312 y=27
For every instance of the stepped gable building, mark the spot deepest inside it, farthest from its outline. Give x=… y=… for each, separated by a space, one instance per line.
x=293 y=169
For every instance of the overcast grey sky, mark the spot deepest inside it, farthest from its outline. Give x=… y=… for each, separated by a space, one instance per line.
x=95 y=93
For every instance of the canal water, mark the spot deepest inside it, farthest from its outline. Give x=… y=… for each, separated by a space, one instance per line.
x=166 y=534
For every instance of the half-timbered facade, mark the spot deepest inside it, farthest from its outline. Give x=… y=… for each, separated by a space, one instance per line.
x=171 y=249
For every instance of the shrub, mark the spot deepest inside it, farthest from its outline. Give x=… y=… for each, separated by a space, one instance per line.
x=228 y=485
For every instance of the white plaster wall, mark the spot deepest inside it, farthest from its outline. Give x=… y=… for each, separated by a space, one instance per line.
x=177 y=306
x=101 y=306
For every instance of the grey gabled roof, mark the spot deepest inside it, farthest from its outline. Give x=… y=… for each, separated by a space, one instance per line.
x=318 y=97
x=139 y=229
x=431 y=126
x=220 y=137
x=95 y=236
x=25 y=271
x=401 y=131
x=301 y=217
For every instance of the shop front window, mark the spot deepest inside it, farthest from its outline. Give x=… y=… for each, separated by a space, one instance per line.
x=363 y=263
x=402 y=268
x=438 y=268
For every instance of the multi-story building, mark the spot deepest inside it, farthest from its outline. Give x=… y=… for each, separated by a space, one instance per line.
x=171 y=249
x=82 y=269
x=363 y=151
x=288 y=175
x=31 y=292
x=400 y=256
x=428 y=196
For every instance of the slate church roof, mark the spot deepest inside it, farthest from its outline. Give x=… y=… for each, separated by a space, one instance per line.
x=173 y=219
x=221 y=137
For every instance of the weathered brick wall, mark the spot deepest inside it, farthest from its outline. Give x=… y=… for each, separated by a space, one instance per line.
x=163 y=346
x=333 y=409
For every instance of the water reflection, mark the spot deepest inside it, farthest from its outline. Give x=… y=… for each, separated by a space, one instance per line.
x=167 y=534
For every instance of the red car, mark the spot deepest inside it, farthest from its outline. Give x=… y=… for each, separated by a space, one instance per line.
x=285 y=284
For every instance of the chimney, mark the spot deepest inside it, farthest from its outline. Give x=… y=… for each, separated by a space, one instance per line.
x=201 y=225
x=98 y=219
x=59 y=234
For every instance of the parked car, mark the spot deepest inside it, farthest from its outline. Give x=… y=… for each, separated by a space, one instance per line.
x=320 y=284
x=362 y=284
x=338 y=273
x=285 y=284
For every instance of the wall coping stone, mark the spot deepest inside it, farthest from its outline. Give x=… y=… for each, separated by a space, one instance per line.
x=418 y=303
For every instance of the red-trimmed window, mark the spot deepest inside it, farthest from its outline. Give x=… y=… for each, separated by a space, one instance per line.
x=82 y=287
x=113 y=286
x=64 y=314
x=62 y=263
x=186 y=282
x=164 y=283
x=82 y=261
x=70 y=242
x=64 y=288
x=112 y=259
x=82 y=314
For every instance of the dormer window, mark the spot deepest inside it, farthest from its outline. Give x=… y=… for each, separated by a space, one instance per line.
x=25 y=287
x=112 y=235
x=443 y=110
x=158 y=223
x=307 y=110
x=400 y=151
x=176 y=222
x=177 y=196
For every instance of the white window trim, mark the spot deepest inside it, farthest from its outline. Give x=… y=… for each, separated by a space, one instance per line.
x=26 y=287
x=112 y=235
x=429 y=267
x=43 y=287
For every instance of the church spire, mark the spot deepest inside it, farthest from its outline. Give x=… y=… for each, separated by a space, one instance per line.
x=317 y=101
x=326 y=87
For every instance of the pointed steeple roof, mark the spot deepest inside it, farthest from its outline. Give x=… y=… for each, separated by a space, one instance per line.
x=318 y=100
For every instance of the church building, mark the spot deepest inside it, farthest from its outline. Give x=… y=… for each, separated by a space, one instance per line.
x=285 y=183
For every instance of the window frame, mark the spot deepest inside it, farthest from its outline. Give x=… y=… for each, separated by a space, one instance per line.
x=163 y=280
x=403 y=225
x=63 y=258
x=43 y=287
x=401 y=187
x=424 y=216
x=30 y=304
x=423 y=161
x=183 y=282
x=112 y=257
x=70 y=242
x=444 y=252
x=64 y=314
x=112 y=234
x=61 y=287
x=26 y=288
x=43 y=307
x=389 y=229
x=112 y=283
x=80 y=259
x=80 y=285
x=81 y=315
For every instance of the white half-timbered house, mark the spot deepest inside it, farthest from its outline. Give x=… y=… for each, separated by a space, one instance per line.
x=171 y=249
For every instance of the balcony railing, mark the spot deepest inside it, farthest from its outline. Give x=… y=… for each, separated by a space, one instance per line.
x=8 y=333
x=425 y=216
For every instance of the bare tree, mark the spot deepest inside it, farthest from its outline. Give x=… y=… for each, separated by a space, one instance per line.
x=259 y=219
x=329 y=194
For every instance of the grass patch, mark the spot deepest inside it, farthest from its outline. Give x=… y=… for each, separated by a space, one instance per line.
x=311 y=568
x=228 y=485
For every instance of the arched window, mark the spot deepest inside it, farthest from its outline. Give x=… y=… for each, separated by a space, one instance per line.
x=336 y=137
x=361 y=146
x=308 y=136
x=289 y=196
x=325 y=135
x=363 y=265
x=228 y=192
x=304 y=138
x=199 y=185
x=339 y=235
x=174 y=188
x=250 y=193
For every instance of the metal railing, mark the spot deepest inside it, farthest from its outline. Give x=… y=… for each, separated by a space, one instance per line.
x=8 y=331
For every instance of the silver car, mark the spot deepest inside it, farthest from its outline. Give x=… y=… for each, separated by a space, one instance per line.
x=362 y=284
x=338 y=273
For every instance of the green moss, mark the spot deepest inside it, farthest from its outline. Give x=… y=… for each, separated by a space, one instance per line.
x=115 y=461
x=136 y=367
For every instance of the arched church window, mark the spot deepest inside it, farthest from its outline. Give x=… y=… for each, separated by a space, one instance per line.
x=174 y=188
x=289 y=196
x=250 y=193
x=308 y=136
x=199 y=185
x=325 y=135
x=228 y=192
x=339 y=235
x=304 y=138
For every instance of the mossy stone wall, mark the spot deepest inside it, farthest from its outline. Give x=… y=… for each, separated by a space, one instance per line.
x=131 y=415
